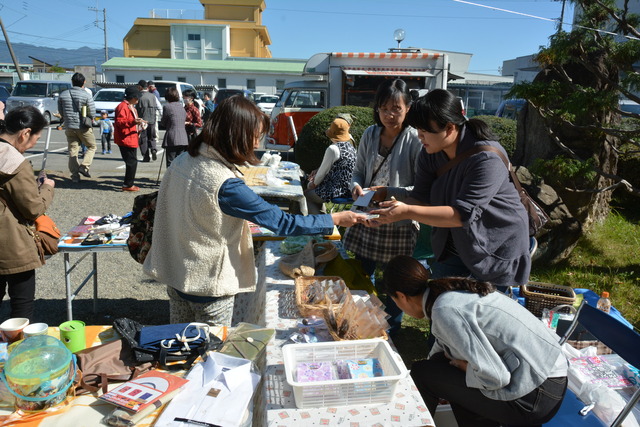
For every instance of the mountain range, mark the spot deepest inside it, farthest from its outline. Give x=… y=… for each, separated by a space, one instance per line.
x=66 y=58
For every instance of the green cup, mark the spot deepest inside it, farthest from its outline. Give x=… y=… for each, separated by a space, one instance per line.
x=72 y=335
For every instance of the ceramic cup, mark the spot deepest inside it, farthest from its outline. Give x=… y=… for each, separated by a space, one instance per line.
x=12 y=329
x=35 y=329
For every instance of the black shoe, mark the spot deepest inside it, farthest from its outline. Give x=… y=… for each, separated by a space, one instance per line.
x=145 y=160
x=83 y=170
x=154 y=155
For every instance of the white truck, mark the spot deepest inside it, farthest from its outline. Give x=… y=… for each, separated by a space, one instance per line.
x=349 y=78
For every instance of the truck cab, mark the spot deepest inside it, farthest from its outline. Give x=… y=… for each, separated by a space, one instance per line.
x=347 y=78
x=299 y=102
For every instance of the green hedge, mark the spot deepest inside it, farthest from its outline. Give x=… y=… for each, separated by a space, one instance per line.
x=312 y=142
x=504 y=129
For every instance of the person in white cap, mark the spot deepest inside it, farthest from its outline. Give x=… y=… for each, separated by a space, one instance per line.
x=332 y=179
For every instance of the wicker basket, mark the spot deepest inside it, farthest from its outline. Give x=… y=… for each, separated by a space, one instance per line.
x=302 y=285
x=538 y=295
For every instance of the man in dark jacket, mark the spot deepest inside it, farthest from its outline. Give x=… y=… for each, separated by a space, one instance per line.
x=147 y=110
x=73 y=104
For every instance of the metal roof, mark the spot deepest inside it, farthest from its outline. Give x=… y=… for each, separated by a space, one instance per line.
x=279 y=66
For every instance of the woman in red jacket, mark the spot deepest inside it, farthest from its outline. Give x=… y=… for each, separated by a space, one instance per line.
x=127 y=126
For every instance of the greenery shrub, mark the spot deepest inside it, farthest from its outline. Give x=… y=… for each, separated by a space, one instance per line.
x=562 y=172
x=312 y=142
x=504 y=129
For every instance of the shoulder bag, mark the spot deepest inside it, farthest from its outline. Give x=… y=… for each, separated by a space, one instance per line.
x=537 y=216
x=141 y=231
x=85 y=121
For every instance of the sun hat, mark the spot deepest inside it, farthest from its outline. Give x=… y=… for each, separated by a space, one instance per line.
x=338 y=131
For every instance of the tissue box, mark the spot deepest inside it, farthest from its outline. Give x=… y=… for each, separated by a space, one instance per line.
x=631 y=373
x=315 y=371
x=364 y=368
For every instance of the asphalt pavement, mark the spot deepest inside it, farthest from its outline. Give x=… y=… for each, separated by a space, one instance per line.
x=123 y=289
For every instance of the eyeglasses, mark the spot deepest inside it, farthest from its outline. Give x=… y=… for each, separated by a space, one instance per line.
x=396 y=111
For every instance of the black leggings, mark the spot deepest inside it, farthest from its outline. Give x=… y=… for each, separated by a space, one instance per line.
x=22 y=292
x=436 y=378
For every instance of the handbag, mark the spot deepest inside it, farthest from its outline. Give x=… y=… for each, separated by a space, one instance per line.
x=161 y=344
x=537 y=216
x=112 y=361
x=141 y=231
x=46 y=236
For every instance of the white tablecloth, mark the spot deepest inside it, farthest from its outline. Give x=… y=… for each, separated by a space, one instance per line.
x=281 y=313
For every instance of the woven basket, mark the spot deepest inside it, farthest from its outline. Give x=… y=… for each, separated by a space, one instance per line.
x=538 y=295
x=302 y=285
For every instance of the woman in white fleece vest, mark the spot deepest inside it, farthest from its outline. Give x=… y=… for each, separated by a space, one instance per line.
x=202 y=247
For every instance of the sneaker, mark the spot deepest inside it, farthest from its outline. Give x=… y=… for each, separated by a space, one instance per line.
x=75 y=179
x=132 y=188
x=83 y=170
x=108 y=151
x=104 y=151
x=154 y=155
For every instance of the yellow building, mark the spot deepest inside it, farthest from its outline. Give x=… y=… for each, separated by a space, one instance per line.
x=230 y=28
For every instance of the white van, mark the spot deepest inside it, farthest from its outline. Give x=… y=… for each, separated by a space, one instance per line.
x=42 y=94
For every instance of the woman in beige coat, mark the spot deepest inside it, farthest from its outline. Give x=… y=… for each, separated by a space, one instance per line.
x=22 y=200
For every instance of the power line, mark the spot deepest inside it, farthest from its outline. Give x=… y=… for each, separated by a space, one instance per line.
x=52 y=38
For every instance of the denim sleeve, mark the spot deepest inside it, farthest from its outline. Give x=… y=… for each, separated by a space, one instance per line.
x=238 y=200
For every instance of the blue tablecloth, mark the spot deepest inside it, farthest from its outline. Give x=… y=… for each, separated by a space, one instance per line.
x=590 y=297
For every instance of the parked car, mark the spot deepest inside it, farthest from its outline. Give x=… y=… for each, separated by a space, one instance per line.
x=629 y=106
x=42 y=94
x=4 y=95
x=510 y=108
x=163 y=85
x=266 y=103
x=228 y=93
x=8 y=86
x=107 y=99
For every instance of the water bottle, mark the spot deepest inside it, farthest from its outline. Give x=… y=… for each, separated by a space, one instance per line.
x=604 y=303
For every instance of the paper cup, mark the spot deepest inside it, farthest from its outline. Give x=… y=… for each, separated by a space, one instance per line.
x=12 y=329
x=73 y=336
x=35 y=329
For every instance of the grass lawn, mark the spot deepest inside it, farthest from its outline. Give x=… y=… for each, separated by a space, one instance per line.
x=606 y=259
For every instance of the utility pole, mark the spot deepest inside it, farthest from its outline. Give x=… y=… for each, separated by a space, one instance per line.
x=13 y=56
x=561 y=17
x=104 y=29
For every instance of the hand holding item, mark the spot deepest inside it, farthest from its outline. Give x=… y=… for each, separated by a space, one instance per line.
x=390 y=211
x=356 y=192
x=347 y=218
x=379 y=196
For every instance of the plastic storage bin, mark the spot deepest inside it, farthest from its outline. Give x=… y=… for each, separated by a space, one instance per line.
x=359 y=391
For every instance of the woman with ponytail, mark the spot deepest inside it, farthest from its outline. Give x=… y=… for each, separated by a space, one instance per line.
x=22 y=200
x=480 y=227
x=493 y=360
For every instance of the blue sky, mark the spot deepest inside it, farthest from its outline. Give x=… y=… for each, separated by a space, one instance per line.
x=300 y=28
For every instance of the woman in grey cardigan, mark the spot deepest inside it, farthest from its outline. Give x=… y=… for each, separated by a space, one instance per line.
x=173 y=119
x=386 y=157
x=493 y=361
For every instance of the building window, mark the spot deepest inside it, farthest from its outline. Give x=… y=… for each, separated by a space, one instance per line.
x=279 y=84
x=157 y=77
x=222 y=83
x=251 y=84
x=182 y=79
x=119 y=78
x=193 y=37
